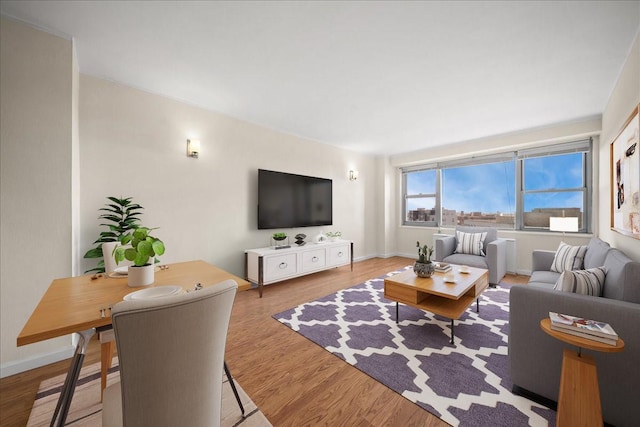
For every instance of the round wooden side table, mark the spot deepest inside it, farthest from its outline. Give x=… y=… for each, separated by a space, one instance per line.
x=579 y=395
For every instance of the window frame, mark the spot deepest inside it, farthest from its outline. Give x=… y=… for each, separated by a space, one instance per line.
x=518 y=157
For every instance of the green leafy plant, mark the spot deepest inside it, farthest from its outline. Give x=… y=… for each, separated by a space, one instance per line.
x=120 y=217
x=279 y=236
x=334 y=234
x=143 y=247
x=424 y=253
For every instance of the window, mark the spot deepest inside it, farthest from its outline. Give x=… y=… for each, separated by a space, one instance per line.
x=515 y=190
x=555 y=184
x=420 y=197
x=479 y=195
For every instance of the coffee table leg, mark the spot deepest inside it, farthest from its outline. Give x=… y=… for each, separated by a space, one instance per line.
x=451 y=331
x=397 y=316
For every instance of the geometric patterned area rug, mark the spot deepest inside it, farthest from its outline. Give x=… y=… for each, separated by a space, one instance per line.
x=86 y=408
x=466 y=383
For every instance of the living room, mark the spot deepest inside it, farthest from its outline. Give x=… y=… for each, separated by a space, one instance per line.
x=71 y=137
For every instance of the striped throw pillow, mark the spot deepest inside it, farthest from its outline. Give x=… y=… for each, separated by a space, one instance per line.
x=470 y=243
x=568 y=258
x=586 y=282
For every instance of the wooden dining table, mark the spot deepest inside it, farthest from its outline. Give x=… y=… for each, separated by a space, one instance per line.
x=80 y=305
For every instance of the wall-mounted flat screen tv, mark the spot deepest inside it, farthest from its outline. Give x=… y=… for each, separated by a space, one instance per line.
x=287 y=201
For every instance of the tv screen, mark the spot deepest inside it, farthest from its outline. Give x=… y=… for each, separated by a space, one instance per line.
x=287 y=201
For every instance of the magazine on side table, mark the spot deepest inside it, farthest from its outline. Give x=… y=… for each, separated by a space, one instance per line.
x=585 y=328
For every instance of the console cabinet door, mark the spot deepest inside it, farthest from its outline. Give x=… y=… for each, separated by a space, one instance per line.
x=279 y=266
x=338 y=255
x=314 y=260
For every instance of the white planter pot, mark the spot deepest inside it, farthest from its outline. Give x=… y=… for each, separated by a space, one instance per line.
x=141 y=276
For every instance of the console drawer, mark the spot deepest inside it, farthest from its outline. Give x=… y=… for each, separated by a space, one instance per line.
x=314 y=260
x=276 y=267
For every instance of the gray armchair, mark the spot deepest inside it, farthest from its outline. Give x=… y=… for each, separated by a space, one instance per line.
x=495 y=249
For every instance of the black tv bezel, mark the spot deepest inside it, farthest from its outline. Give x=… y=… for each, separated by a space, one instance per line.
x=329 y=181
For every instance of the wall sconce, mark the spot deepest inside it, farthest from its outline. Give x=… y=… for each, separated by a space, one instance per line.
x=353 y=175
x=193 y=148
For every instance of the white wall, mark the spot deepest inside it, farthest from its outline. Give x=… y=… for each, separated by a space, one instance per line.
x=625 y=96
x=36 y=183
x=133 y=143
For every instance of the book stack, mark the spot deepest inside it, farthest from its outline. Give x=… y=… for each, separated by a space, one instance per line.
x=589 y=329
x=442 y=267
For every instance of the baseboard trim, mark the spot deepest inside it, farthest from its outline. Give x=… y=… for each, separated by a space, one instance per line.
x=18 y=366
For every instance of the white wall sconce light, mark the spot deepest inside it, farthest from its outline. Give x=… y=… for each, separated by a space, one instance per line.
x=193 y=148
x=353 y=175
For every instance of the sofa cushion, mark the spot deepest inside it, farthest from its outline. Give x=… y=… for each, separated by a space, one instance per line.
x=492 y=233
x=568 y=258
x=623 y=277
x=465 y=259
x=596 y=253
x=543 y=279
x=585 y=282
x=470 y=243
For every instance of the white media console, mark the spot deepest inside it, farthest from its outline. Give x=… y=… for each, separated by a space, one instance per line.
x=264 y=266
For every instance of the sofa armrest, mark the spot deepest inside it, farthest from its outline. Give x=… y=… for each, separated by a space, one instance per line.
x=445 y=246
x=542 y=260
x=535 y=358
x=497 y=260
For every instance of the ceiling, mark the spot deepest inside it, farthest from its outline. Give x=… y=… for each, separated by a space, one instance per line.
x=375 y=77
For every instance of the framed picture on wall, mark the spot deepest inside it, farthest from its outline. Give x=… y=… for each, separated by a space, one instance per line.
x=625 y=178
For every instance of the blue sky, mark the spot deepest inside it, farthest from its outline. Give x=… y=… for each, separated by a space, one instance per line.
x=490 y=188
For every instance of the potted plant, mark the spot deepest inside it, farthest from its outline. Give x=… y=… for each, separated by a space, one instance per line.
x=142 y=253
x=279 y=239
x=334 y=235
x=120 y=217
x=423 y=266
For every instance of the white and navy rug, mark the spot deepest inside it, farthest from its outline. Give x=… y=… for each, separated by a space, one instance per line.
x=466 y=383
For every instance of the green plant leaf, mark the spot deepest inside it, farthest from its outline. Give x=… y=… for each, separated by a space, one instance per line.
x=94 y=253
x=141 y=259
x=158 y=247
x=144 y=248
x=119 y=254
x=125 y=239
x=130 y=254
x=141 y=233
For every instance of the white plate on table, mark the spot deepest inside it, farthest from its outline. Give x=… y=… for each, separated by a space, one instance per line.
x=119 y=273
x=453 y=280
x=154 y=292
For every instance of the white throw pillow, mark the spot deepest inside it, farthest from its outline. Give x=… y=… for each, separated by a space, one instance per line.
x=586 y=282
x=470 y=243
x=568 y=258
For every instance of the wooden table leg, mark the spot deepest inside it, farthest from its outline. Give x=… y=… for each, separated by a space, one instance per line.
x=579 y=399
x=106 y=360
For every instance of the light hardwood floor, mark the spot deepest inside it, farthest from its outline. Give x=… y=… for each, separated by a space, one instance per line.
x=292 y=380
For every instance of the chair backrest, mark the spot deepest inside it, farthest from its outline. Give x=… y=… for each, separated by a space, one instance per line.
x=171 y=355
x=492 y=233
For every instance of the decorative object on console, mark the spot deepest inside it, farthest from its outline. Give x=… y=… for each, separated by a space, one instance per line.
x=300 y=239
x=279 y=239
x=193 y=148
x=423 y=267
x=142 y=253
x=334 y=235
x=320 y=238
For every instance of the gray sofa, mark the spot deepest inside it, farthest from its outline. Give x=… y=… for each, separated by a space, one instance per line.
x=536 y=358
x=495 y=249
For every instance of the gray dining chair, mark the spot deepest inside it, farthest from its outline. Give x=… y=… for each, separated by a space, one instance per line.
x=171 y=355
